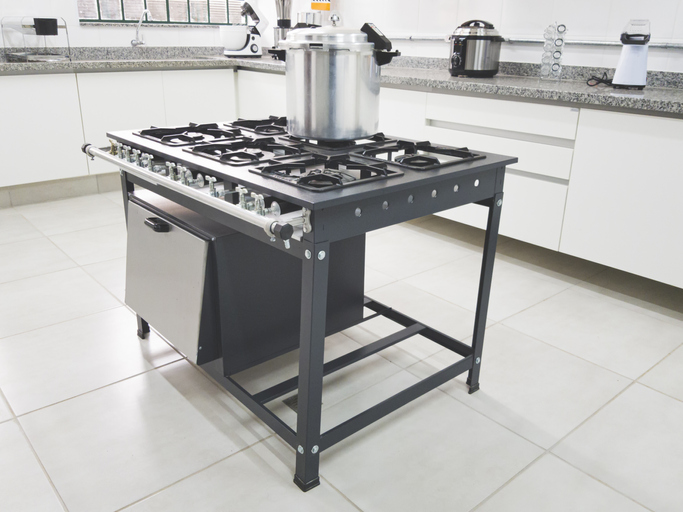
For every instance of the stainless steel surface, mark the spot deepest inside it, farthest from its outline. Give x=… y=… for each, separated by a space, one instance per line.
x=482 y=55
x=310 y=18
x=157 y=288
x=279 y=34
x=266 y=223
x=476 y=28
x=284 y=9
x=332 y=84
x=137 y=41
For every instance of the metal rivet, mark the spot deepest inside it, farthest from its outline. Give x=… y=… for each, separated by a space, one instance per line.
x=456 y=188
x=385 y=205
x=434 y=193
x=359 y=212
x=200 y=348
x=500 y=202
x=308 y=254
x=321 y=255
x=476 y=183
x=314 y=450
x=411 y=199
x=300 y=449
x=478 y=360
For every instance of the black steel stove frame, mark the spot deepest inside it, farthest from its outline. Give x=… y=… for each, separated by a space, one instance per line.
x=484 y=187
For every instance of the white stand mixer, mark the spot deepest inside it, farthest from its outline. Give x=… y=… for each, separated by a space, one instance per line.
x=250 y=41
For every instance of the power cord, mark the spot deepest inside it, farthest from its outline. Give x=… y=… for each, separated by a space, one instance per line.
x=594 y=80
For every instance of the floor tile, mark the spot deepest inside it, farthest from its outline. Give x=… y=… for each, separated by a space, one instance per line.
x=376 y=279
x=552 y=485
x=535 y=390
x=649 y=297
x=5 y=413
x=434 y=454
x=94 y=245
x=44 y=366
x=667 y=376
x=73 y=214
x=514 y=288
x=258 y=480
x=115 y=196
x=634 y=445
x=15 y=228
x=597 y=329
x=30 y=258
x=410 y=249
x=23 y=484
x=428 y=309
x=5 y=201
x=119 y=444
x=45 y=300
x=111 y=274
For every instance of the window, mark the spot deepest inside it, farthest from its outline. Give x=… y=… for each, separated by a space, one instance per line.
x=201 y=12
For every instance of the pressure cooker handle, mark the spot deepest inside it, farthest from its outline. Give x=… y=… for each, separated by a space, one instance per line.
x=480 y=23
x=383 y=53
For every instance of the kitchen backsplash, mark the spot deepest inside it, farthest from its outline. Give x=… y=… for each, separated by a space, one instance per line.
x=601 y=20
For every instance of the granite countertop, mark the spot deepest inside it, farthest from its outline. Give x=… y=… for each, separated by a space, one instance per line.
x=664 y=93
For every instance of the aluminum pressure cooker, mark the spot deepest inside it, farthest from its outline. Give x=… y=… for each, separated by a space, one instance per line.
x=333 y=81
x=475 y=50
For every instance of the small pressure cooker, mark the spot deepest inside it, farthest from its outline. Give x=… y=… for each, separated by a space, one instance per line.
x=333 y=81
x=475 y=50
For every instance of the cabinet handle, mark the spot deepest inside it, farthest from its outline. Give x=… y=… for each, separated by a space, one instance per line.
x=157 y=224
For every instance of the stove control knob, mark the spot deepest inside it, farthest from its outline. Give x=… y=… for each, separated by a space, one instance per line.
x=170 y=166
x=136 y=156
x=126 y=153
x=197 y=182
x=212 y=186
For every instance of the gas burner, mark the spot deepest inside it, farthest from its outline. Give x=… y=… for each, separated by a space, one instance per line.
x=420 y=156
x=321 y=173
x=271 y=126
x=188 y=135
x=341 y=146
x=245 y=151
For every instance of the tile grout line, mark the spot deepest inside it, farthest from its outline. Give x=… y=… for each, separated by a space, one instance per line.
x=322 y=477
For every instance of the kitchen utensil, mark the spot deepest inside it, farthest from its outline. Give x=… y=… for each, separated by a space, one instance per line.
x=551 y=60
x=631 y=72
x=250 y=35
x=333 y=81
x=475 y=49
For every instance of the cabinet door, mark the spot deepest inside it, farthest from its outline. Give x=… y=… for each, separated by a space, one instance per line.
x=199 y=96
x=119 y=101
x=40 y=129
x=260 y=95
x=402 y=113
x=624 y=201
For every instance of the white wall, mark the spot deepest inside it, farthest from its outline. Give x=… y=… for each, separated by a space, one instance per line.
x=585 y=19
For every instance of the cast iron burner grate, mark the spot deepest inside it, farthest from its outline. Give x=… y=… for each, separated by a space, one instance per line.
x=272 y=126
x=321 y=173
x=189 y=135
x=341 y=146
x=421 y=156
x=245 y=151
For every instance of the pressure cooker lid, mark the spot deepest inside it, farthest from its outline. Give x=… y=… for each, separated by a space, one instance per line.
x=329 y=36
x=478 y=29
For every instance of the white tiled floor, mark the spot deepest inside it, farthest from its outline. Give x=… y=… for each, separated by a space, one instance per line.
x=580 y=407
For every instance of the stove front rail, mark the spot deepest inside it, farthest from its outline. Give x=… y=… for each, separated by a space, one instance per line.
x=272 y=227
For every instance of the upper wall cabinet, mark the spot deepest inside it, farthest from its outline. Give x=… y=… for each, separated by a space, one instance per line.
x=260 y=95
x=48 y=103
x=624 y=204
x=199 y=96
x=119 y=101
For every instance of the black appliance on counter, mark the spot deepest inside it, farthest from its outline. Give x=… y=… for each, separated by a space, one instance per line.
x=246 y=243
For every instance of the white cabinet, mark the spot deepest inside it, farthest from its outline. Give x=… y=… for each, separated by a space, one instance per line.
x=119 y=101
x=199 y=96
x=40 y=129
x=540 y=136
x=624 y=203
x=260 y=95
x=402 y=113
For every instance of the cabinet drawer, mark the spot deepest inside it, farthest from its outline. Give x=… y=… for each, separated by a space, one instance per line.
x=165 y=274
x=543 y=159
x=533 y=210
x=514 y=116
x=260 y=95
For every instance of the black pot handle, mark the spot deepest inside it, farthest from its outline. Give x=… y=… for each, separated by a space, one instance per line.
x=157 y=224
x=481 y=23
x=383 y=53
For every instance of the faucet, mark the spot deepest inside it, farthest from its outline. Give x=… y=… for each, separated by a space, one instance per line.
x=137 y=41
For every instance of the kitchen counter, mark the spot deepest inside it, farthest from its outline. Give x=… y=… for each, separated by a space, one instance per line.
x=654 y=100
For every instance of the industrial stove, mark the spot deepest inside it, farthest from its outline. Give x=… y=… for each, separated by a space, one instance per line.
x=269 y=231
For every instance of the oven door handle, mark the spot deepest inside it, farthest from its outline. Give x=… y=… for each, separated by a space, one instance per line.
x=272 y=227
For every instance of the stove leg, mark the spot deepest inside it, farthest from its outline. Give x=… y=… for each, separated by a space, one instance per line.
x=143 y=327
x=484 y=289
x=311 y=355
x=126 y=188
